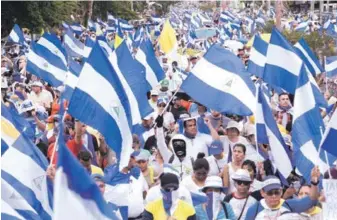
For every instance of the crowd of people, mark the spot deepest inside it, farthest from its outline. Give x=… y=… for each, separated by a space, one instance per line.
x=182 y=151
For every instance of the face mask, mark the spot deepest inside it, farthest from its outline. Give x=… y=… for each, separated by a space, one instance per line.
x=167 y=200
x=213 y=204
x=179 y=148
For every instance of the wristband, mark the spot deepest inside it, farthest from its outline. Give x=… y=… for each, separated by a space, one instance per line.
x=315 y=184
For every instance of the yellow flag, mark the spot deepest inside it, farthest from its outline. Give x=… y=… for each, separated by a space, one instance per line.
x=167 y=39
x=118 y=41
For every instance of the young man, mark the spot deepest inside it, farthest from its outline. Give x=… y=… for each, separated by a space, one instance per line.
x=284 y=108
x=142 y=160
x=273 y=206
x=241 y=199
x=169 y=205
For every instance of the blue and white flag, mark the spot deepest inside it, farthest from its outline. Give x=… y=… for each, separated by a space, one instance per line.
x=99 y=97
x=54 y=45
x=105 y=46
x=329 y=139
x=76 y=194
x=76 y=28
x=65 y=25
x=71 y=79
x=118 y=188
x=17 y=36
x=7 y=212
x=133 y=78
x=91 y=25
x=111 y=18
x=283 y=65
x=89 y=44
x=302 y=27
x=156 y=19
x=331 y=66
x=146 y=56
x=46 y=65
x=25 y=186
x=257 y=58
x=124 y=25
x=73 y=46
x=226 y=87
x=309 y=58
x=307 y=129
x=267 y=132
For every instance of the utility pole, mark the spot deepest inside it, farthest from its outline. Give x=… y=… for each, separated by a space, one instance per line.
x=312 y=6
x=279 y=14
x=131 y=1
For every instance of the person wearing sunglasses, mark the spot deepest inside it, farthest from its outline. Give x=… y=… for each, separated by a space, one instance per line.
x=214 y=208
x=274 y=207
x=142 y=160
x=241 y=199
x=168 y=116
x=169 y=206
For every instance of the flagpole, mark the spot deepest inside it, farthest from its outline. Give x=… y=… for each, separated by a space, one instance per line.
x=55 y=145
x=168 y=103
x=326 y=77
x=325 y=154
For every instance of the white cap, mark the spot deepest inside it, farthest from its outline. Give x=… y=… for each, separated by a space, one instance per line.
x=154 y=92
x=233 y=124
x=242 y=175
x=214 y=182
x=37 y=83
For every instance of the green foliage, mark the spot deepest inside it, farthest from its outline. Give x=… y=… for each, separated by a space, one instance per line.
x=35 y=15
x=320 y=44
x=269 y=26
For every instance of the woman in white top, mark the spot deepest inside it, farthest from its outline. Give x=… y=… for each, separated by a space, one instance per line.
x=196 y=181
x=251 y=168
x=239 y=153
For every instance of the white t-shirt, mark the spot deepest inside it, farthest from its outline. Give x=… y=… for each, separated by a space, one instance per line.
x=183 y=194
x=216 y=166
x=190 y=185
x=238 y=204
x=197 y=144
x=44 y=98
x=136 y=201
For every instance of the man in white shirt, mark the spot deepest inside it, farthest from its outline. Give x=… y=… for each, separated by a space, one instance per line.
x=40 y=96
x=195 y=141
x=217 y=159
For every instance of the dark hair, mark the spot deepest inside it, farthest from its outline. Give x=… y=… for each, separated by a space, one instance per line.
x=185 y=122
x=283 y=93
x=303 y=185
x=251 y=164
x=84 y=155
x=240 y=145
x=200 y=162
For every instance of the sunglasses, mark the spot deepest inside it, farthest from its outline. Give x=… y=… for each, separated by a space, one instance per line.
x=239 y=182
x=141 y=161
x=201 y=173
x=161 y=105
x=275 y=192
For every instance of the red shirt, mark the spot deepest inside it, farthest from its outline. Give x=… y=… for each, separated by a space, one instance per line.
x=72 y=146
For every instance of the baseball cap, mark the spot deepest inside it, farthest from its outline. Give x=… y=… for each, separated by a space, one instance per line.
x=162 y=100
x=242 y=175
x=154 y=92
x=216 y=147
x=214 y=182
x=143 y=155
x=37 y=83
x=233 y=124
x=271 y=182
x=164 y=83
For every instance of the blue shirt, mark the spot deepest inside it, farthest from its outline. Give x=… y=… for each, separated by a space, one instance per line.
x=202 y=214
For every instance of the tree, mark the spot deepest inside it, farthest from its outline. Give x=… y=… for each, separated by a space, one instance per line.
x=35 y=15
